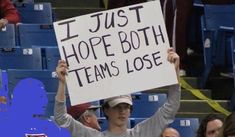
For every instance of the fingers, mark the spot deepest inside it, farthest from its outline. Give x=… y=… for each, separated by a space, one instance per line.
x=62 y=64
x=61 y=70
x=170 y=50
x=173 y=58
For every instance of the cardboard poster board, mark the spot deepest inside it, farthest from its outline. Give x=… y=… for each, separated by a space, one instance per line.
x=115 y=52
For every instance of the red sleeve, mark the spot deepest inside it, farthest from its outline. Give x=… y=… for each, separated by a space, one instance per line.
x=9 y=12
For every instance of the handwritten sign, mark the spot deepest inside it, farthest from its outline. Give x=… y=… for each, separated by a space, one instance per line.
x=115 y=52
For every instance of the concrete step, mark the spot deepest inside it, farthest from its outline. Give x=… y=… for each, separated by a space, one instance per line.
x=73 y=3
x=69 y=12
x=200 y=106
x=222 y=87
x=193 y=81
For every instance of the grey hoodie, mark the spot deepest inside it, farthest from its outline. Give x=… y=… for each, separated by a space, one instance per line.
x=151 y=127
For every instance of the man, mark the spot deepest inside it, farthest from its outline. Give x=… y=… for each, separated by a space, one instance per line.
x=8 y=13
x=170 y=132
x=85 y=113
x=228 y=129
x=210 y=126
x=118 y=109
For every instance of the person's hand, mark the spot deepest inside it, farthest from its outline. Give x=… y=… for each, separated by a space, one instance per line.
x=174 y=58
x=3 y=23
x=61 y=70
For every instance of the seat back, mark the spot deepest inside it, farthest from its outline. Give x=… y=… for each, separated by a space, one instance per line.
x=51 y=56
x=35 y=13
x=20 y=58
x=217 y=29
x=219 y=15
x=7 y=36
x=146 y=104
x=187 y=127
x=36 y=35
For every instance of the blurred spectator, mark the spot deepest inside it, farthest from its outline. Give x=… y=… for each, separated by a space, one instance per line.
x=85 y=113
x=8 y=13
x=228 y=129
x=210 y=126
x=181 y=21
x=170 y=132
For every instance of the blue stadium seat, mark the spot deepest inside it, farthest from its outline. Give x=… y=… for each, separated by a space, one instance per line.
x=48 y=78
x=35 y=13
x=187 y=127
x=7 y=36
x=51 y=56
x=134 y=121
x=20 y=58
x=152 y=101
x=103 y=123
x=232 y=106
x=217 y=32
x=36 y=35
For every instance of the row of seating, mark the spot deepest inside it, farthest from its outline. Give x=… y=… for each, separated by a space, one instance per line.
x=48 y=77
x=31 y=12
x=37 y=58
x=27 y=35
x=218 y=37
x=217 y=26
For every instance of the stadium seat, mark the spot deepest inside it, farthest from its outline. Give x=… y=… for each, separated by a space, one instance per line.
x=36 y=35
x=51 y=56
x=48 y=78
x=152 y=101
x=7 y=36
x=217 y=31
x=134 y=121
x=40 y=13
x=20 y=58
x=232 y=106
x=187 y=127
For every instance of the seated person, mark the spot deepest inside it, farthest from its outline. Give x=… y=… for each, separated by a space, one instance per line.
x=8 y=13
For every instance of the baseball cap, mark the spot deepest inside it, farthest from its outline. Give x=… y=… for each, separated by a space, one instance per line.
x=77 y=110
x=113 y=101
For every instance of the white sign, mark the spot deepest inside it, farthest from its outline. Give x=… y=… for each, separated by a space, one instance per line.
x=115 y=52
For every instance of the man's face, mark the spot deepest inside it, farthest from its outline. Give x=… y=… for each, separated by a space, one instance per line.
x=92 y=121
x=119 y=114
x=213 y=127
